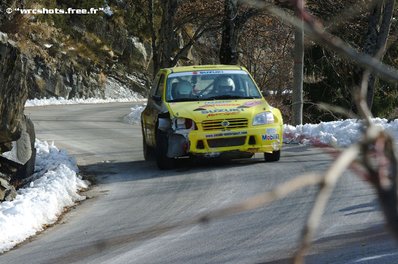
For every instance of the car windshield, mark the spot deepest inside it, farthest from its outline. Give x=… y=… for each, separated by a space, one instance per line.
x=210 y=85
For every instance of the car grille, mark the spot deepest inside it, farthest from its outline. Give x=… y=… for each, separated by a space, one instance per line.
x=219 y=124
x=226 y=142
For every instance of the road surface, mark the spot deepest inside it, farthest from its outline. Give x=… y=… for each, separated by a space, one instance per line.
x=130 y=197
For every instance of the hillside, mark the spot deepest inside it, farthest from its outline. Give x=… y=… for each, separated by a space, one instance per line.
x=75 y=55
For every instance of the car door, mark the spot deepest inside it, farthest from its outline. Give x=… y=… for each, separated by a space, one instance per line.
x=154 y=106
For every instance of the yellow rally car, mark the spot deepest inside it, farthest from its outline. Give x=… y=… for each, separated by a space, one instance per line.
x=210 y=111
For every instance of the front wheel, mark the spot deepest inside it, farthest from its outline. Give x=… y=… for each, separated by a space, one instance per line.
x=162 y=144
x=271 y=157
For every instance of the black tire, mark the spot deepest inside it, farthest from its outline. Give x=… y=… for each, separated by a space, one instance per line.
x=148 y=151
x=163 y=162
x=272 y=157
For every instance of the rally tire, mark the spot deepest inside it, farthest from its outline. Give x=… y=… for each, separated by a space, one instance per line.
x=272 y=157
x=148 y=151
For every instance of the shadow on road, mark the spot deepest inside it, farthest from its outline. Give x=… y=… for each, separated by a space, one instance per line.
x=140 y=170
x=371 y=245
x=114 y=171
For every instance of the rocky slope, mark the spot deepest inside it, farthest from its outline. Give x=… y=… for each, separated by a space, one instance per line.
x=68 y=56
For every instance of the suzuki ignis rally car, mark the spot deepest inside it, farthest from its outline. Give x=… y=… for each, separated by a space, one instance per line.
x=209 y=111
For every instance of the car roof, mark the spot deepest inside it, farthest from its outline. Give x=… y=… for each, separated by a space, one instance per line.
x=204 y=67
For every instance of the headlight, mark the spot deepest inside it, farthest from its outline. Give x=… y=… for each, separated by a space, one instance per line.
x=263 y=118
x=184 y=123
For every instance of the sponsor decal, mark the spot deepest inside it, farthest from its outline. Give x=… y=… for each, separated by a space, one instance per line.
x=217 y=104
x=252 y=103
x=211 y=72
x=211 y=103
x=225 y=134
x=229 y=103
x=269 y=137
x=222 y=114
x=222 y=110
x=270 y=134
x=207 y=105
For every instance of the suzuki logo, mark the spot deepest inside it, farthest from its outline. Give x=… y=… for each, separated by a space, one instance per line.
x=225 y=123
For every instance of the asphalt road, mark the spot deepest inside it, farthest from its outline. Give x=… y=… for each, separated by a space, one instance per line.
x=130 y=197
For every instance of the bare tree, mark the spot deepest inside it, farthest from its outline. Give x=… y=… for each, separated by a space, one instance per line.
x=298 y=70
x=155 y=53
x=376 y=37
x=170 y=39
x=234 y=19
x=228 y=52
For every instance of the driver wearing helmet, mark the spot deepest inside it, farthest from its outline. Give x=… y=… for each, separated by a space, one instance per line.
x=225 y=85
x=181 y=90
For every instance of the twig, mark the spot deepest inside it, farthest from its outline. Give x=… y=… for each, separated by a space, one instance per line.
x=252 y=203
x=314 y=30
x=328 y=183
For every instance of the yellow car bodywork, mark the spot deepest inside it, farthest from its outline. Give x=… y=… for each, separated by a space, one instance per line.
x=209 y=115
x=219 y=126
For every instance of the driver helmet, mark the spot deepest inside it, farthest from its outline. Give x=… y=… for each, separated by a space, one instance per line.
x=184 y=88
x=226 y=84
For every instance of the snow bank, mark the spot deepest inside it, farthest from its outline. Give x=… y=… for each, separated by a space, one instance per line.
x=54 y=186
x=337 y=133
x=63 y=101
x=134 y=117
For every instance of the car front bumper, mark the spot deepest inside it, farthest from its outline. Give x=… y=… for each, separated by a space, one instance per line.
x=265 y=138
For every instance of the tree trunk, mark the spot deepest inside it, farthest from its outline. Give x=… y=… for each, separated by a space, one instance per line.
x=163 y=42
x=297 y=97
x=376 y=38
x=228 y=49
x=155 y=53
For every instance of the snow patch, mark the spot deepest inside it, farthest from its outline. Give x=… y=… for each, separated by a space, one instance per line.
x=54 y=186
x=63 y=101
x=115 y=90
x=134 y=117
x=336 y=133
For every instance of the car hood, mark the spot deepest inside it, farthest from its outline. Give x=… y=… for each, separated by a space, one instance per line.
x=218 y=109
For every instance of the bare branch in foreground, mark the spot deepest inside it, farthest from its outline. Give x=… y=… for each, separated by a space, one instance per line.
x=360 y=99
x=376 y=149
x=261 y=200
x=252 y=203
x=380 y=161
x=350 y=12
x=328 y=183
x=314 y=30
